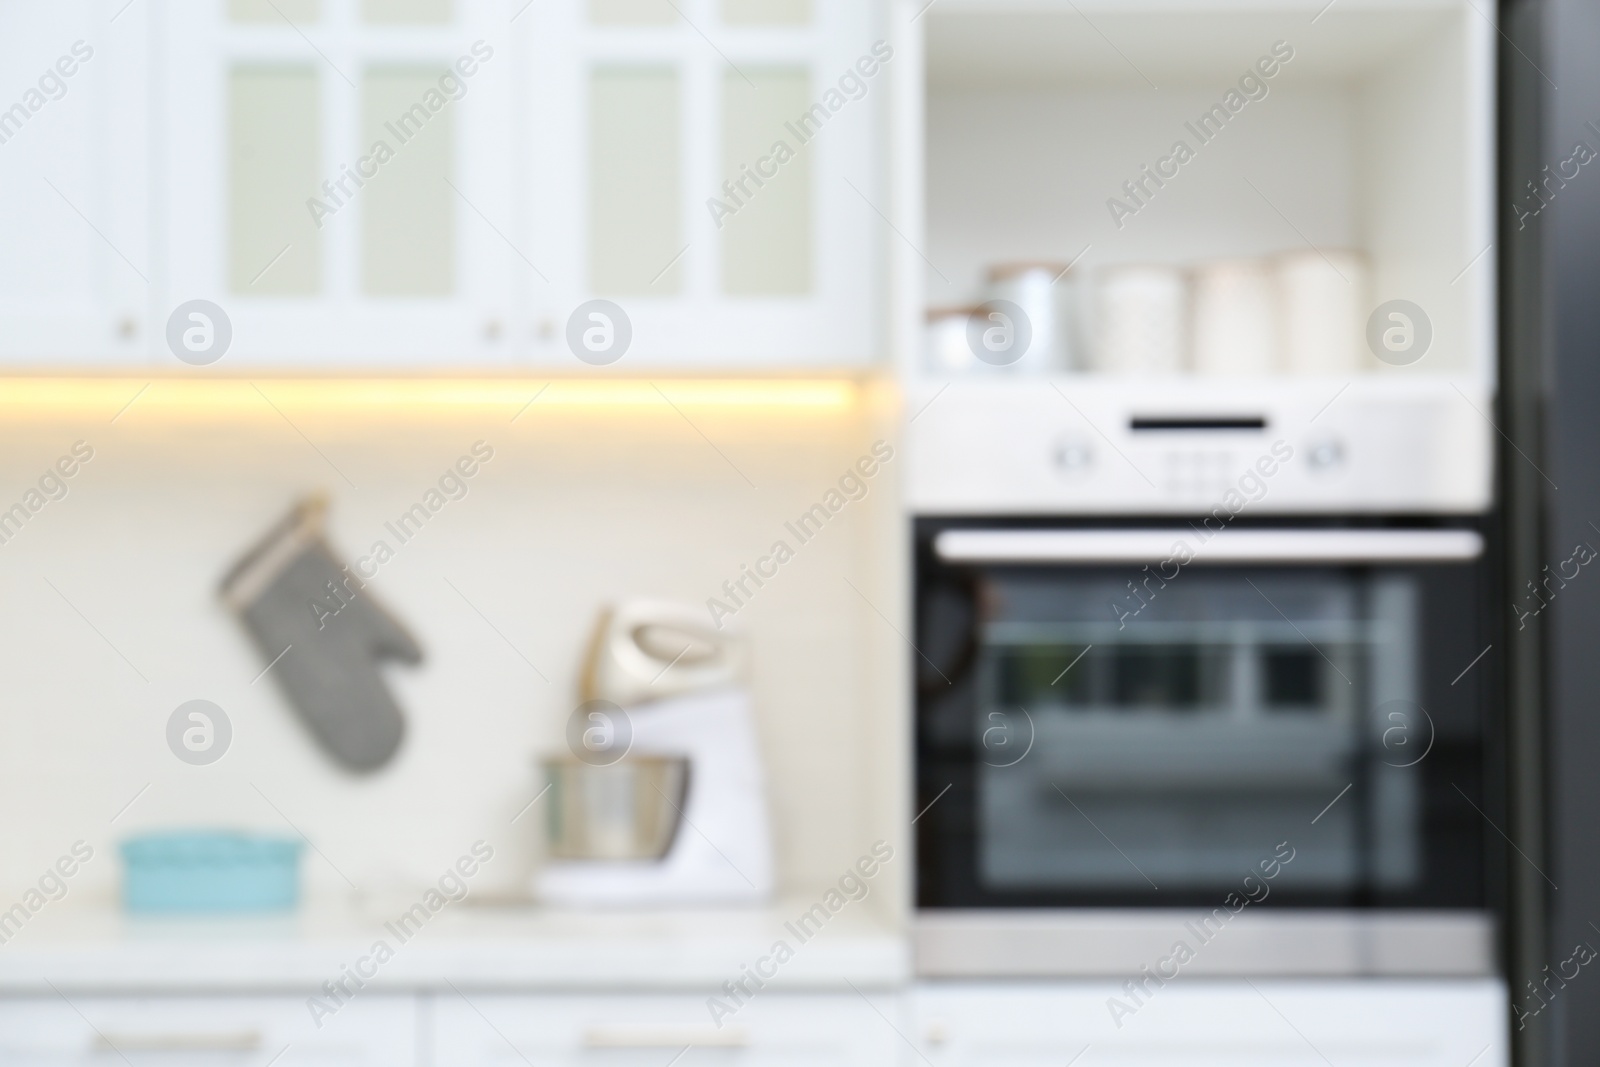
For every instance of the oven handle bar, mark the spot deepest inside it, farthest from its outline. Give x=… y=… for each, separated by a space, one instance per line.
x=1208 y=547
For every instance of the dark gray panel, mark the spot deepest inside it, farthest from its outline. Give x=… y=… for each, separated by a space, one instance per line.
x=1551 y=256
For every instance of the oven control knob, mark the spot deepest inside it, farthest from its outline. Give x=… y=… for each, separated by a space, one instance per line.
x=1073 y=457
x=1325 y=454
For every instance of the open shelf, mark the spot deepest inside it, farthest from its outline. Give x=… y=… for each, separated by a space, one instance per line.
x=1375 y=137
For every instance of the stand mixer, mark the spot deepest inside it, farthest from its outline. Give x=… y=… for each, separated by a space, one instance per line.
x=662 y=800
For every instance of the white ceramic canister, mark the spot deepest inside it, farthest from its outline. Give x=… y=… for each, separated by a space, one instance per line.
x=1235 y=329
x=1044 y=293
x=1140 y=313
x=947 y=350
x=1322 y=295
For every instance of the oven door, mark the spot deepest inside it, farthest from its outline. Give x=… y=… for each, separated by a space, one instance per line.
x=1148 y=716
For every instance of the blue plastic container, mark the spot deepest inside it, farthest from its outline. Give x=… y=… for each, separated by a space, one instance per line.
x=210 y=871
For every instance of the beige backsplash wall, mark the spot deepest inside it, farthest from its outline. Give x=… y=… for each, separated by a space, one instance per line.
x=112 y=620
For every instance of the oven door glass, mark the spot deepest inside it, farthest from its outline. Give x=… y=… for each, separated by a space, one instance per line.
x=1134 y=740
x=1196 y=734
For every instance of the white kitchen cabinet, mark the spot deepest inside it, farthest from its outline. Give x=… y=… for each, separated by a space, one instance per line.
x=773 y=1030
x=1213 y=1023
x=75 y=255
x=372 y=1030
x=445 y=184
x=715 y=168
x=331 y=175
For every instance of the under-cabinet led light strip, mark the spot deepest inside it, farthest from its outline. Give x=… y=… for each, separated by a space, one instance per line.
x=41 y=396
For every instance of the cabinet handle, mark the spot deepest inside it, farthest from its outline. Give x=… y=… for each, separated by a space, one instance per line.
x=663 y=1037
x=225 y=1041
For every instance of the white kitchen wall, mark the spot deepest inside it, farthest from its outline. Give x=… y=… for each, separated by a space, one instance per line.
x=112 y=617
x=1295 y=146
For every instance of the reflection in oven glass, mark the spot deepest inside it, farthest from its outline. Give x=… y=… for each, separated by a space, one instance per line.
x=1176 y=748
x=1291 y=679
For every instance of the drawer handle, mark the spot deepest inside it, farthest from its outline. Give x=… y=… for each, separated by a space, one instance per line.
x=227 y=1041
x=663 y=1037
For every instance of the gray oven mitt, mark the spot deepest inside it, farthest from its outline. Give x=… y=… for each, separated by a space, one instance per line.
x=292 y=593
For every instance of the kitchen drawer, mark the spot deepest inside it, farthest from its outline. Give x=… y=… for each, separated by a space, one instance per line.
x=50 y=1031
x=649 y=1031
x=1212 y=1023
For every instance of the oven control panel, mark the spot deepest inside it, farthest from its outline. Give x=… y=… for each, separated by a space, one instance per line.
x=1022 y=446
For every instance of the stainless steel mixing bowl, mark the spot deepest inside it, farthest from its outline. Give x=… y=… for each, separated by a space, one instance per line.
x=629 y=810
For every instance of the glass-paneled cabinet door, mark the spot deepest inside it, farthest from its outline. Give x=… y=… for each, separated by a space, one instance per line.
x=337 y=177
x=715 y=170
x=75 y=264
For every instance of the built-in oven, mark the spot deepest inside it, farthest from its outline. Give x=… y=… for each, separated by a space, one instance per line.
x=1285 y=724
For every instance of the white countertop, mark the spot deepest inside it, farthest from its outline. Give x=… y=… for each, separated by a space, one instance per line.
x=470 y=945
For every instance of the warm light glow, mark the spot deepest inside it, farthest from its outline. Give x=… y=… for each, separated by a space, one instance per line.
x=190 y=398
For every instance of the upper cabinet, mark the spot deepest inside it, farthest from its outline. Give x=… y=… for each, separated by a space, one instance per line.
x=334 y=175
x=455 y=184
x=75 y=254
x=713 y=168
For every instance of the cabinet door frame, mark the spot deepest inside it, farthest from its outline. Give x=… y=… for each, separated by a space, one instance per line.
x=339 y=326
x=1426 y=1022
x=831 y=1028
x=371 y=1030
x=841 y=320
x=101 y=206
